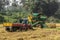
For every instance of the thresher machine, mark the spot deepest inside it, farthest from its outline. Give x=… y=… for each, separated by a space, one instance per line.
x=26 y=23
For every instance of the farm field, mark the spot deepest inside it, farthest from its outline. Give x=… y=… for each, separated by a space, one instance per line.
x=37 y=34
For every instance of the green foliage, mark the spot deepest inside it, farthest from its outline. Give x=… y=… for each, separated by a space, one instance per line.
x=1 y=18
x=16 y=12
x=13 y=16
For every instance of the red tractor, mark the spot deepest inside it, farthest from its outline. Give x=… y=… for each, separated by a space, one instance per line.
x=17 y=26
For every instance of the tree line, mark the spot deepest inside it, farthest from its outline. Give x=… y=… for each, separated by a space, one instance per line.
x=46 y=7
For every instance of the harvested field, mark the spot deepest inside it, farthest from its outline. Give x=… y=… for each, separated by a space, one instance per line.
x=54 y=25
x=37 y=34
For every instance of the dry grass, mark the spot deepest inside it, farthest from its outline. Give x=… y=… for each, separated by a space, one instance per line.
x=38 y=34
x=53 y=25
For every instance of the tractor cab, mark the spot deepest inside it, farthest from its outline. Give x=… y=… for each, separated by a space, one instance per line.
x=39 y=19
x=25 y=21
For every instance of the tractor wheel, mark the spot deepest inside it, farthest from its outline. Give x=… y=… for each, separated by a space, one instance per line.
x=13 y=29
x=26 y=28
x=20 y=28
x=30 y=27
x=7 y=29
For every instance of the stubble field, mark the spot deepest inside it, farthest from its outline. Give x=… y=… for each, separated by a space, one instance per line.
x=37 y=34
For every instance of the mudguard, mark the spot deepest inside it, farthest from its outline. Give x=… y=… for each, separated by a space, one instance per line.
x=7 y=24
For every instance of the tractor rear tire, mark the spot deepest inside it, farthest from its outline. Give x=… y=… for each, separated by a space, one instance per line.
x=7 y=29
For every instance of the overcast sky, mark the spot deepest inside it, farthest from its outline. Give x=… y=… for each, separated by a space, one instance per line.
x=58 y=0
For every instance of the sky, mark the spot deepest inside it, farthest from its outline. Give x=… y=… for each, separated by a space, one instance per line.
x=16 y=0
x=58 y=0
x=11 y=1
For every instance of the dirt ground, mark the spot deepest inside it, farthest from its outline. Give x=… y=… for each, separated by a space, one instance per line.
x=37 y=34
